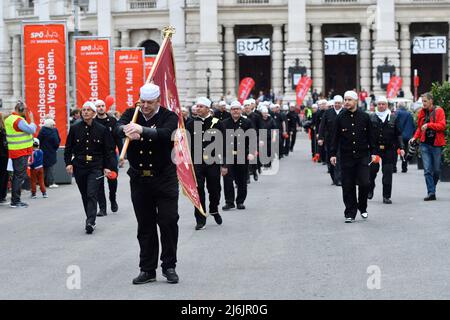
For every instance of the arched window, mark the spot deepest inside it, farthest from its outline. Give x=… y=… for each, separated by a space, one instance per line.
x=151 y=47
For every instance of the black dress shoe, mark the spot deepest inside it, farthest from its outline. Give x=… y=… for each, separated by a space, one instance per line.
x=101 y=213
x=114 y=206
x=370 y=195
x=430 y=197
x=228 y=206
x=240 y=206
x=217 y=218
x=387 y=201
x=90 y=228
x=170 y=275
x=200 y=226
x=255 y=176
x=145 y=277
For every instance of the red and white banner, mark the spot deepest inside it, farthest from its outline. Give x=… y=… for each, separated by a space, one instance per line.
x=164 y=76
x=302 y=89
x=91 y=69
x=44 y=73
x=394 y=86
x=129 y=76
x=149 y=61
x=245 y=87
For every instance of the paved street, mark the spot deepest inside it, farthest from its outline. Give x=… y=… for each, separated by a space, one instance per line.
x=290 y=243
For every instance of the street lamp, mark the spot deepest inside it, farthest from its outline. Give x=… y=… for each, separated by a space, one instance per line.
x=208 y=76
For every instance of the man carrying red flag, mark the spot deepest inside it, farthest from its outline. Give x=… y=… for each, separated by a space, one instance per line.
x=153 y=182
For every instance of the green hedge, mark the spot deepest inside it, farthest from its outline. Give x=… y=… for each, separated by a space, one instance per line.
x=441 y=98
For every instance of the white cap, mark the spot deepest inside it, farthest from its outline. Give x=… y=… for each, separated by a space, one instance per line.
x=235 y=104
x=292 y=104
x=252 y=101
x=351 y=94
x=149 y=91
x=246 y=102
x=222 y=104
x=338 y=99
x=322 y=101
x=285 y=107
x=89 y=104
x=99 y=102
x=382 y=99
x=204 y=102
x=49 y=123
x=315 y=106
x=264 y=110
x=330 y=103
x=36 y=141
x=228 y=107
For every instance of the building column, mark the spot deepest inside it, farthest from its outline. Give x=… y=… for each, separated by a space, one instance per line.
x=5 y=61
x=42 y=9
x=125 y=38
x=17 y=67
x=317 y=59
x=297 y=46
x=104 y=18
x=365 y=58
x=386 y=45
x=209 y=53
x=230 y=60
x=277 y=60
x=177 y=20
x=405 y=58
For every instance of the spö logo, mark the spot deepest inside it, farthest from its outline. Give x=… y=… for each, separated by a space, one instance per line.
x=129 y=57
x=92 y=48
x=44 y=35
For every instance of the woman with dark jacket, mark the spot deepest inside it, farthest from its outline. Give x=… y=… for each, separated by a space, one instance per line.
x=49 y=141
x=3 y=162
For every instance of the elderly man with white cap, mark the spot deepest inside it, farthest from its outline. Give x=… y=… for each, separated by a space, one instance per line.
x=207 y=162
x=317 y=119
x=221 y=112
x=256 y=120
x=89 y=154
x=110 y=123
x=388 y=138
x=326 y=131
x=353 y=138
x=153 y=183
x=240 y=150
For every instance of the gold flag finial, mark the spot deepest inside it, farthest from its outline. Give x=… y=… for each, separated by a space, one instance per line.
x=168 y=31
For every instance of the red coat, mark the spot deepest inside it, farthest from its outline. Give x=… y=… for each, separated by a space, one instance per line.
x=437 y=123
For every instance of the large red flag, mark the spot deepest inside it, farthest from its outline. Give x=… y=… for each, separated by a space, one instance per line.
x=245 y=87
x=302 y=89
x=394 y=87
x=163 y=75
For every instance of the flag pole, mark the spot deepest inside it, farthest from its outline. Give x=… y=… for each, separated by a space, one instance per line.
x=168 y=32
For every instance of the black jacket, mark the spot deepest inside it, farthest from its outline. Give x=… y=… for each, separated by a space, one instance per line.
x=353 y=135
x=238 y=144
x=221 y=115
x=90 y=146
x=49 y=143
x=326 y=129
x=293 y=120
x=387 y=134
x=3 y=144
x=111 y=123
x=153 y=151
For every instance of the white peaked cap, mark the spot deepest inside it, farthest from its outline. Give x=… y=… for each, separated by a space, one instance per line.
x=99 y=102
x=222 y=104
x=91 y=105
x=204 y=102
x=351 y=94
x=338 y=99
x=149 y=91
x=235 y=104
x=382 y=99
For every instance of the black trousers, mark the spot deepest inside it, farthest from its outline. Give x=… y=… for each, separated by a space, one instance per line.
x=155 y=203
x=355 y=172
x=287 y=145
x=3 y=177
x=209 y=174
x=313 y=142
x=404 y=161
x=88 y=185
x=335 y=171
x=238 y=173
x=293 y=135
x=388 y=158
x=20 y=174
x=49 y=176
x=112 y=185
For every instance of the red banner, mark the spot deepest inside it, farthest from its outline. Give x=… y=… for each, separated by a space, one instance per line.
x=245 y=87
x=149 y=61
x=44 y=73
x=394 y=86
x=91 y=70
x=302 y=89
x=129 y=75
x=164 y=76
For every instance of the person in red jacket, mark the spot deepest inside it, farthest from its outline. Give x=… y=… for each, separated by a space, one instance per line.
x=431 y=125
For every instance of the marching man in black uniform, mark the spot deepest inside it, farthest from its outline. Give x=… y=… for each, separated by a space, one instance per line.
x=153 y=183
x=388 y=138
x=326 y=131
x=88 y=156
x=293 y=122
x=110 y=123
x=354 y=139
x=207 y=166
x=238 y=154
x=221 y=113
